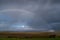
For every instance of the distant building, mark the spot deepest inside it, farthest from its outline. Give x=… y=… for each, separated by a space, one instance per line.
x=52 y=34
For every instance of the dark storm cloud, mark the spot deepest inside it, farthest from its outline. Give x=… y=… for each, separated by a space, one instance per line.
x=42 y=14
x=47 y=14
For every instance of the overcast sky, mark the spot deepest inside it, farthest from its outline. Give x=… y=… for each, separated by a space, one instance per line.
x=29 y=15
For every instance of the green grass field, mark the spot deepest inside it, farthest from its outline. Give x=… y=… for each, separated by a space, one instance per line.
x=30 y=39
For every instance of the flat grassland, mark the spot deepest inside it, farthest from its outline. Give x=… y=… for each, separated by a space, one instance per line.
x=26 y=34
x=29 y=38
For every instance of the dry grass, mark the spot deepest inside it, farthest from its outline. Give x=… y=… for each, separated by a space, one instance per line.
x=26 y=34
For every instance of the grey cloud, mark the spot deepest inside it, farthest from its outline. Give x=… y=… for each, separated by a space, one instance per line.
x=42 y=13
